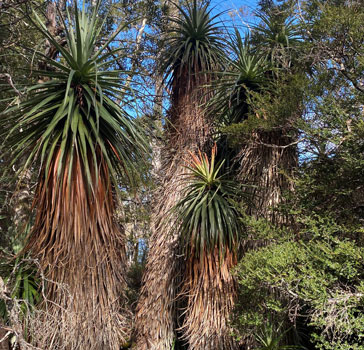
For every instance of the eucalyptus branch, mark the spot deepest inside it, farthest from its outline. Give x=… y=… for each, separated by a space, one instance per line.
x=137 y=50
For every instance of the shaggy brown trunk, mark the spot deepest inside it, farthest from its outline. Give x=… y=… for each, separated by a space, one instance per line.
x=188 y=130
x=210 y=290
x=82 y=253
x=268 y=163
x=156 y=317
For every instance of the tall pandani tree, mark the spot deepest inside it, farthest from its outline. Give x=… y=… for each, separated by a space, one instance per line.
x=269 y=159
x=210 y=230
x=193 y=48
x=267 y=155
x=85 y=145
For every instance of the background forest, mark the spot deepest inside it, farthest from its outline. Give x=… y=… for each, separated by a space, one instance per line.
x=177 y=177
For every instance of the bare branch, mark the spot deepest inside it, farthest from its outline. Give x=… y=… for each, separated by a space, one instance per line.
x=9 y=79
x=281 y=146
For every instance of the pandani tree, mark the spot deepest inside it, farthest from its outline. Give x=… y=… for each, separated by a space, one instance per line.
x=258 y=104
x=248 y=103
x=193 y=48
x=210 y=231
x=85 y=144
x=269 y=159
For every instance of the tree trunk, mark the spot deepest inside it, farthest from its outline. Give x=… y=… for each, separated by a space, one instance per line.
x=155 y=319
x=210 y=290
x=268 y=163
x=156 y=316
x=162 y=298
x=81 y=250
x=162 y=301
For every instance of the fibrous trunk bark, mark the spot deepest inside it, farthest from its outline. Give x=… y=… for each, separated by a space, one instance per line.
x=163 y=304
x=156 y=317
x=81 y=250
x=268 y=163
x=210 y=291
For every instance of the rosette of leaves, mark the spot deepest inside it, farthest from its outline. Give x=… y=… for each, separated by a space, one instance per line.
x=278 y=35
x=75 y=110
x=245 y=72
x=193 y=46
x=209 y=219
x=270 y=337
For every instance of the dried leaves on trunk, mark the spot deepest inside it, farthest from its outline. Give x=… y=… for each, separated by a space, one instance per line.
x=82 y=251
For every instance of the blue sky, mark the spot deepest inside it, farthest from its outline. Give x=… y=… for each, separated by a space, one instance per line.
x=238 y=12
x=227 y=4
x=247 y=6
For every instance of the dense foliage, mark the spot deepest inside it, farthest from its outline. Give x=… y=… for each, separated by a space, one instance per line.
x=310 y=278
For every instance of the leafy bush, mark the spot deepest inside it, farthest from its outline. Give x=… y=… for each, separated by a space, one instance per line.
x=316 y=279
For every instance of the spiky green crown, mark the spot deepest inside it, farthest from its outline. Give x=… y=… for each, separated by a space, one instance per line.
x=208 y=218
x=76 y=110
x=246 y=71
x=194 y=44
